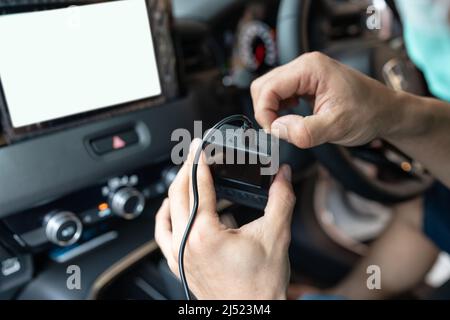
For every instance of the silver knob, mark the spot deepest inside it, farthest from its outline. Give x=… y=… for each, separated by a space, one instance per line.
x=128 y=203
x=63 y=228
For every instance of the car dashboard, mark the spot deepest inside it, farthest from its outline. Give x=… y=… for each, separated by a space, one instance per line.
x=81 y=189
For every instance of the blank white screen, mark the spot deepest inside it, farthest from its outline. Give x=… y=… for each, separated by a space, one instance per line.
x=63 y=62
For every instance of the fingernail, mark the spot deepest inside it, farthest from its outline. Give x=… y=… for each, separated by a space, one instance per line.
x=194 y=145
x=191 y=147
x=287 y=172
x=281 y=120
x=276 y=126
x=279 y=129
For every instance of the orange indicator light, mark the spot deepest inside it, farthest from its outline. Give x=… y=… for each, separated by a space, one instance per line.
x=103 y=206
x=406 y=166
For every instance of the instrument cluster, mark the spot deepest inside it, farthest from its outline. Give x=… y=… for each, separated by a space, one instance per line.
x=250 y=44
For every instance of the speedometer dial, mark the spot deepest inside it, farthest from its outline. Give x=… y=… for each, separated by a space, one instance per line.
x=257 y=48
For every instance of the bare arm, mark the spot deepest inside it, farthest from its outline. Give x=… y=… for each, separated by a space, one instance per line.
x=424 y=133
x=403 y=254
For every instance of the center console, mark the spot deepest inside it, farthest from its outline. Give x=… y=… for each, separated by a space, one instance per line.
x=71 y=221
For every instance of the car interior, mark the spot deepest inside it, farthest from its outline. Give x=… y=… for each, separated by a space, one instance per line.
x=80 y=186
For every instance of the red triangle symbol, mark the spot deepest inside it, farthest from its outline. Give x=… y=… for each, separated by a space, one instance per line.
x=118 y=143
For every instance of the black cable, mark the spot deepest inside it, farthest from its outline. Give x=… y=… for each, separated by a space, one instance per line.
x=247 y=123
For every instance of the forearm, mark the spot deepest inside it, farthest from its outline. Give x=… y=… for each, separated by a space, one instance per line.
x=420 y=127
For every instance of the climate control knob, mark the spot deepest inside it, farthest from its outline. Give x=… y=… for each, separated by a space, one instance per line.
x=63 y=228
x=127 y=203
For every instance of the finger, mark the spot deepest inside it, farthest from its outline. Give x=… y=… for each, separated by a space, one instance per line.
x=163 y=231
x=284 y=83
x=179 y=201
x=263 y=116
x=272 y=94
x=205 y=186
x=191 y=160
x=305 y=132
x=278 y=213
x=305 y=76
x=257 y=84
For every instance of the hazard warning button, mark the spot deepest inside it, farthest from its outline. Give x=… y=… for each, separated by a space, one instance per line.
x=114 y=142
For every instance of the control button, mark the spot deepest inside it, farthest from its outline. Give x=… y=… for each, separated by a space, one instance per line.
x=63 y=228
x=15 y=270
x=129 y=137
x=67 y=231
x=128 y=203
x=10 y=266
x=114 y=142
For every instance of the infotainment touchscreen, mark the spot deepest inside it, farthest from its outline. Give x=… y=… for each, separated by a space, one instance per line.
x=63 y=62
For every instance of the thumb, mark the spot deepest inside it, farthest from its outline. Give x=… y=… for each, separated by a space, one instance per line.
x=304 y=132
x=278 y=213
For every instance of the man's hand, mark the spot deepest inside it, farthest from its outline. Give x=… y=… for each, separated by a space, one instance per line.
x=349 y=108
x=221 y=263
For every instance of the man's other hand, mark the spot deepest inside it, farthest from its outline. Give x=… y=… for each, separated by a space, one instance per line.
x=348 y=108
x=221 y=263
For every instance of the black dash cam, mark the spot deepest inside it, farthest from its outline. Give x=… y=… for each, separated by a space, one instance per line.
x=241 y=163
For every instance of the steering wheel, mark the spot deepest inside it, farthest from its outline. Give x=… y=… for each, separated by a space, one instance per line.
x=398 y=178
